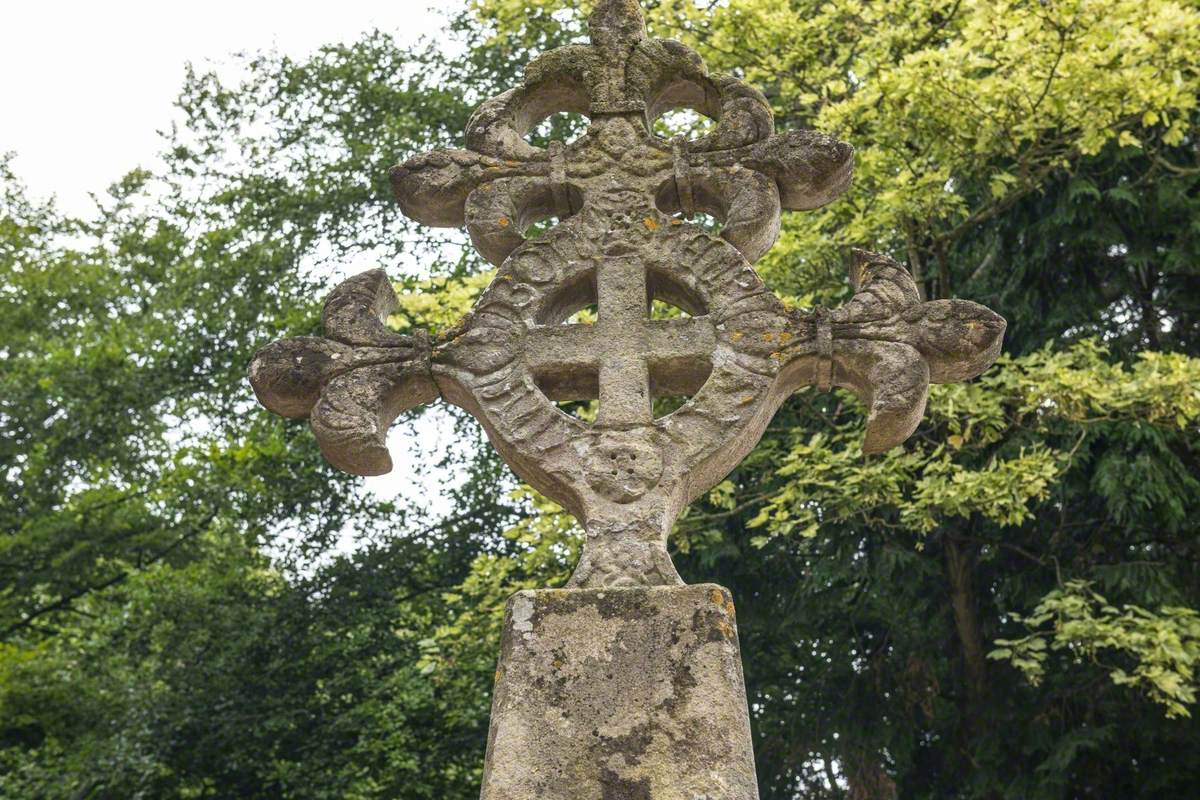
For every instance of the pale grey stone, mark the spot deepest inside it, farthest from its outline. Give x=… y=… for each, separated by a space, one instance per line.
x=620 y=694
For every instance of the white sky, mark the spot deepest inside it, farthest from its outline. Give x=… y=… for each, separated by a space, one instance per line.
x=84 y=86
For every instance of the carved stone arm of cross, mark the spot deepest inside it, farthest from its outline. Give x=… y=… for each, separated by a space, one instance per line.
x=353 y=384
x=887 y=346
x=440 y=189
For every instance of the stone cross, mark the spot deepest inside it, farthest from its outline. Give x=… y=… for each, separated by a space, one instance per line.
x=622 y=197
x=628 y=684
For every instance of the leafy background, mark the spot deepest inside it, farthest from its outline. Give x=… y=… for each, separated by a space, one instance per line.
x=1003 y=608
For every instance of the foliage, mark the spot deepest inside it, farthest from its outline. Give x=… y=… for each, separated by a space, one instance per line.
x=194 y=605
x=1164 y=646
x=999 y=456
x=437 y=304
x=179 y=616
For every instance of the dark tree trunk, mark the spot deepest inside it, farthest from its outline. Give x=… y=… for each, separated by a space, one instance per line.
x=960 y=564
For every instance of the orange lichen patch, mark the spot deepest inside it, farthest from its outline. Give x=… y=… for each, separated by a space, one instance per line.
x=784 y=337
x=736 y=336
x=676 y=222
x=650 y=223
x=747 y=400
x=504 y=222
x=776 y=356
x=768 y=336
x=725 y=602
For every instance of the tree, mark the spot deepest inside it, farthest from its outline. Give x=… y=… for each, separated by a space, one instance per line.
x=170 y=562
x=1040 y=158
x=1000 y=609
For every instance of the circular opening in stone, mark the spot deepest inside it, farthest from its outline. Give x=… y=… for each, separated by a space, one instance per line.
x=541 y=226
x=686 y=123
x=686 y=108
x=660 y=309
x=674 y=382
x=543 y=209
x=573 y=390
x=707 y=209
x=576 y=297
x=563 y=126
x=582 y=410
x=707 y=222
x=584 y=316
x=671 y=296
x=553 y=109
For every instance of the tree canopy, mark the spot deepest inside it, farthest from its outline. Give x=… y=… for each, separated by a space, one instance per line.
x=194 y=604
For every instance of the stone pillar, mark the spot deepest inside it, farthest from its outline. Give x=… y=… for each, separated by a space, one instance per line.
x=620 y=694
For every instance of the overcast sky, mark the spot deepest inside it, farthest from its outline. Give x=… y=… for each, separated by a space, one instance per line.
x=85 y=85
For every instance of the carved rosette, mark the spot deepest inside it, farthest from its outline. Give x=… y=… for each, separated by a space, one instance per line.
x=622 y=197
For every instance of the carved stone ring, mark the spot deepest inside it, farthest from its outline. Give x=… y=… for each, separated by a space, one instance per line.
x=736 y=352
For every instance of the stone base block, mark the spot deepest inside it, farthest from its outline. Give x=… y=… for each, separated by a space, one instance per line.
x=620 y=694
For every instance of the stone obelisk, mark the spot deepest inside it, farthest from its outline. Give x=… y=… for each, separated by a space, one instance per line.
x=627 y=684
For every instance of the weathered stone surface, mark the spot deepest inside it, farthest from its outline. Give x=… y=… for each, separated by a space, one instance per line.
x=627 y=686
x=617 y=246
x=620 y=694
x=354 y=384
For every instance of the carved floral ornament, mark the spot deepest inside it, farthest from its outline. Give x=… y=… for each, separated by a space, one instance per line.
x=617 y=246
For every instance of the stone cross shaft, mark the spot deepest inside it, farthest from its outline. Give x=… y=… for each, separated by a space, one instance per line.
x=621 y=199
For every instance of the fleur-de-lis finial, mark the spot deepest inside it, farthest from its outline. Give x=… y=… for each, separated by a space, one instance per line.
x=617 y=24
x=352 y=384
